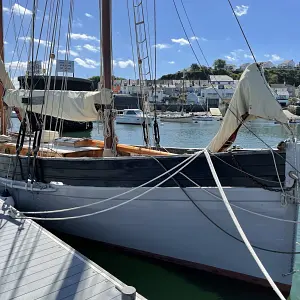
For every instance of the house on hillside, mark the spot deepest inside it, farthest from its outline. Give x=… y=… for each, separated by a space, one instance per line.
x=230 y=67
x=268 y=65
x=290 y=88
x=244 y=66
x=212 y=95
x=287 y=64
x=221 y=80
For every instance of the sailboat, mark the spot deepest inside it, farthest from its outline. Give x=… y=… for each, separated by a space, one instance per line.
x=204 y=117
x=180 y=117
x=125 y=195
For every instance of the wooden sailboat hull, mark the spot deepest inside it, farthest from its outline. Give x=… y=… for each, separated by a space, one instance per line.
x=165 y=222
x=133 y=171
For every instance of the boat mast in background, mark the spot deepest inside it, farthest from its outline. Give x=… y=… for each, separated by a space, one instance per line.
x=2 y=107
x=106 y=94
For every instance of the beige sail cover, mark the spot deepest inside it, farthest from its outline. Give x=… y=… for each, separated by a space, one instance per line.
x=7 y=84
x=252 y=96
x=67 y=105
x=6 y=81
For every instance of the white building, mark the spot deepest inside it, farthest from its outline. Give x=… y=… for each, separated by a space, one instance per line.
x=221 y=79
x=214 y=94
x=268 y=65
x=287 y=64
x=282 y=95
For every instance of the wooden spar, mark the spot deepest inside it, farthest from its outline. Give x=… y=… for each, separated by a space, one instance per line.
x=106 y=34
x=2 y=107
x=131 y=149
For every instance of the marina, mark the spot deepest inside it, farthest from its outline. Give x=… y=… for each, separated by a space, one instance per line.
x=176 y=171
x=35 y=264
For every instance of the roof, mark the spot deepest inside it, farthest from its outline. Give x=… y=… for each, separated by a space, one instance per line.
x=220 y=78
x=286 y=61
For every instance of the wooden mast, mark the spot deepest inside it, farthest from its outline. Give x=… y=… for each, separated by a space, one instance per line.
x=106 y=35
x=2 y=107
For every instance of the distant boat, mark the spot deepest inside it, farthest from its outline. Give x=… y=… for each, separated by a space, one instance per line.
x=132 y=117
x=177 y=117
x=204 y=118
x=13 y=115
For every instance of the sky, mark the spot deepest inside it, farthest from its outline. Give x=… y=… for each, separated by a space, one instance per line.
x=271 y=26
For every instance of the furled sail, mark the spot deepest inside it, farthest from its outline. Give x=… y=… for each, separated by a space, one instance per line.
x=7 y=84
x=67 y=105
x=5 y=79
x=252 y=99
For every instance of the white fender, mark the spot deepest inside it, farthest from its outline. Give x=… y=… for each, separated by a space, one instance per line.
x=7 y=198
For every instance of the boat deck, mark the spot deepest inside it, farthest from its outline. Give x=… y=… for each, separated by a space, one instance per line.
x=35 y=264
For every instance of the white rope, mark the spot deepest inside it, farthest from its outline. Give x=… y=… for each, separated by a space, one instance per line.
x=239 y=228
x=191 y=158
x=234 y=205
x=116 y=196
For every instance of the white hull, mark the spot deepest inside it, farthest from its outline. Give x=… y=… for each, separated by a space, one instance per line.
x=203 y=119
x=166 y=223
x=132 y=120
x=178 y=119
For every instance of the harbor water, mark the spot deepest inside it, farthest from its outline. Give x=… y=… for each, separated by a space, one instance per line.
x=160 y=280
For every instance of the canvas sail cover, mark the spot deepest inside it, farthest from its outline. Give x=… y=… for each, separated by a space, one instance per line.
x=68 y=105
x=252 y=99
x=5 y=79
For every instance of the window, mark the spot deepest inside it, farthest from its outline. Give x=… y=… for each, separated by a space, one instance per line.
x=130 y=112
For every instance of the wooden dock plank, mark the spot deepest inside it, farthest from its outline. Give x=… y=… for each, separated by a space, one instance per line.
x=34 y=264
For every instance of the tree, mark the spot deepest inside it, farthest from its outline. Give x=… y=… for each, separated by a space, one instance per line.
x=194 y=67
x=219 y=64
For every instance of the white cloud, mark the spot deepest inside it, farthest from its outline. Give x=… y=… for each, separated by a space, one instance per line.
x=238 y=55
x=241 y=10
x=123 y=63
x=83 y=36
x=91 y=48
x=171 y=62
x=5 y=42
x=248 y=56
x=194 y=38
x=273 y=57
x=88 y=15
x=181 y=41
x=77 y=23
x=86 y=63
x=70 y=52
x=78 y=48
x=230 y=58
x=6 y=9
x=20 y=65
x=28 y=39
x=162 y=46
x=19 y=10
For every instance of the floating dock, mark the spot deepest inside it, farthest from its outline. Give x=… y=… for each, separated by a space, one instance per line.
x=35 y=264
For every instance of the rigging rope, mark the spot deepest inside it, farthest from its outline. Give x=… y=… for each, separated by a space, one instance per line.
x=155 y=123
x=239 y=228
x=240 y=119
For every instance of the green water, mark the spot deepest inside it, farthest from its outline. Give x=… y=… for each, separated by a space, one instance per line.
x=159 y=280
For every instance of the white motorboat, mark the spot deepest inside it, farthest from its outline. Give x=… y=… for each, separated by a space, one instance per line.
x=133 y=117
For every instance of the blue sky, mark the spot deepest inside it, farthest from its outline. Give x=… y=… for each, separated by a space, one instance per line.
x=272 y=27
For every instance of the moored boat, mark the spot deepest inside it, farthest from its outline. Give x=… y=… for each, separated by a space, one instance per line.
x=133 y=117
x=144 y=205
